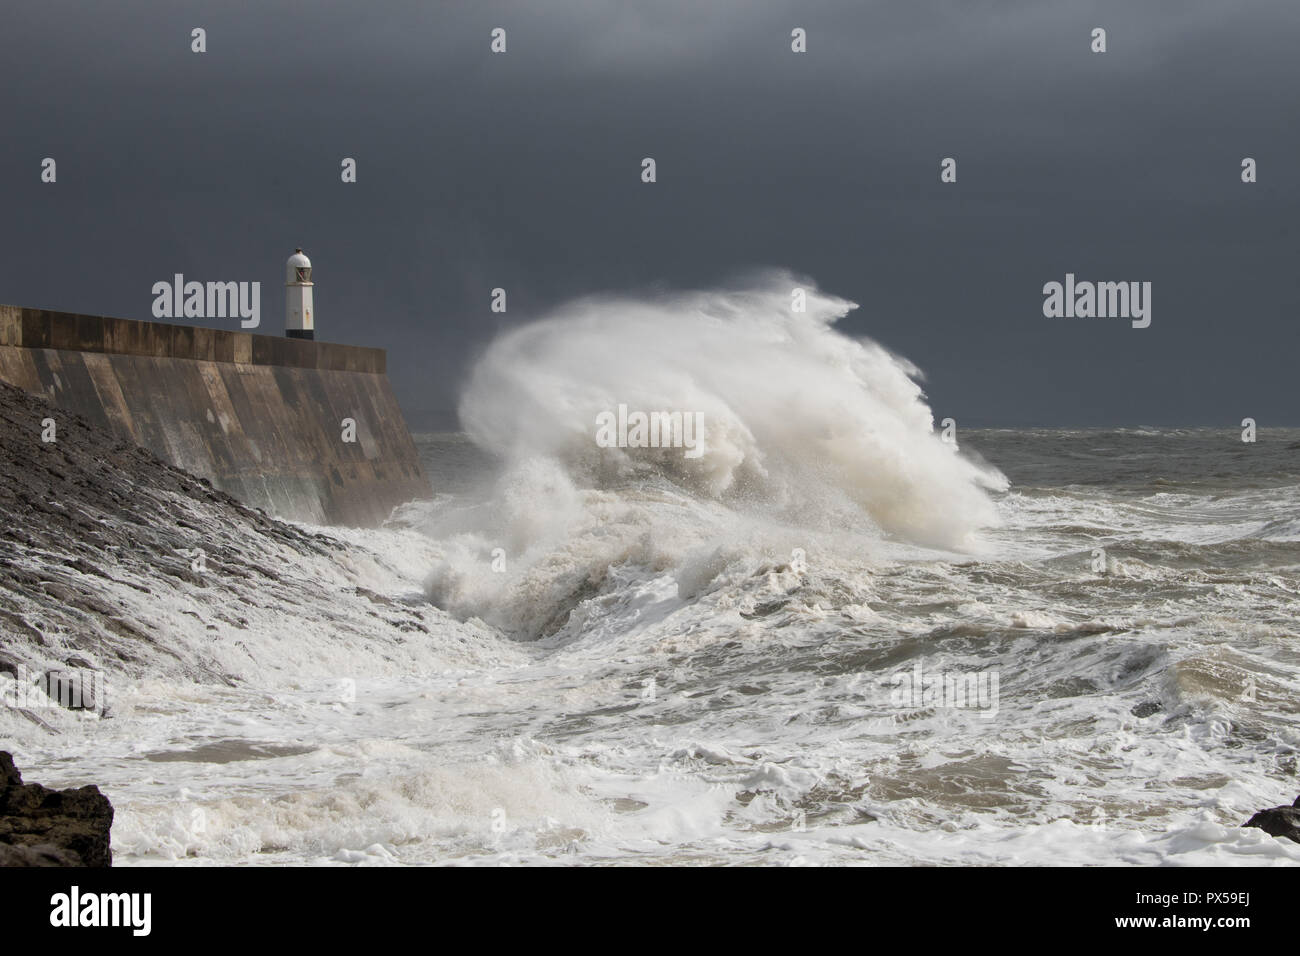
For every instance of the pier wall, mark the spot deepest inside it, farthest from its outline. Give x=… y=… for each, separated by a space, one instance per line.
x=261 y=417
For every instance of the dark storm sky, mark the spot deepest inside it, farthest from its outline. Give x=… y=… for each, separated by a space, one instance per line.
x=522 y=170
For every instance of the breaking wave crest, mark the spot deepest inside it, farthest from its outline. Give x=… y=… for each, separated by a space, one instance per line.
x=805 y=429
x=799 y=418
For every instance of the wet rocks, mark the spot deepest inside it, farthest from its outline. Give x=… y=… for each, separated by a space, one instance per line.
x=1279 y=821
x=43 y=827
x=43 y=854
x=92 y=523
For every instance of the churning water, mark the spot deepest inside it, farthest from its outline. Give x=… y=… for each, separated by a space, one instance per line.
x=833 y=638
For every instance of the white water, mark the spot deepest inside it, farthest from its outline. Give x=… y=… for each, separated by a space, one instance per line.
x=802 y=422
x=814 y=440
x=653 y=675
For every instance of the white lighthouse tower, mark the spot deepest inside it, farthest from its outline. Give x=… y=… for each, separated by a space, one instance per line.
x=298 y=310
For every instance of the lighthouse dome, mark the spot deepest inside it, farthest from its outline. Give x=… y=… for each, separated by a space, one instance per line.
x=298 y=268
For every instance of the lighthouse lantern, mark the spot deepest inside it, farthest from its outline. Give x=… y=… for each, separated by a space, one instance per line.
x=298 y=318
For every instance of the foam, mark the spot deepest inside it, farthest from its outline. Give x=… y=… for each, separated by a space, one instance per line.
x=801 y=420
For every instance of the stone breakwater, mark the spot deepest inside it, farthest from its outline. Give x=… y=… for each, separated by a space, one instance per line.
x=309 y=431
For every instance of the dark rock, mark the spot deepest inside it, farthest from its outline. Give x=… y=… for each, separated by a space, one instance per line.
x=372 y=597
x=42 y=827
x=9 y=775
x=1279 y=821
x=1147 y=708
x=43 y=854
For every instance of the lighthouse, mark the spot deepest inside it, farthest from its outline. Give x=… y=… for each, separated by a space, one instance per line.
x=298 y=310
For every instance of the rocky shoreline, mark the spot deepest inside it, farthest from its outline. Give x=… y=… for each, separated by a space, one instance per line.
x=114 y=567
x=43 y=827
x=104 y=545
x=1279 y=821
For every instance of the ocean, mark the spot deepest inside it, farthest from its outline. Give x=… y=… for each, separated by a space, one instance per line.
x=834 y=639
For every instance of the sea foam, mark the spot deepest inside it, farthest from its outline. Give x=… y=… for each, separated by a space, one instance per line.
x=801 y=419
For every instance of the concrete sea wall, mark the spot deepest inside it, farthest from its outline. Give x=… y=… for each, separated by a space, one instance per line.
x=259 y=416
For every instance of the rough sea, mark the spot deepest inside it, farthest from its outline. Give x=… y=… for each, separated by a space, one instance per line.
x=833 y=639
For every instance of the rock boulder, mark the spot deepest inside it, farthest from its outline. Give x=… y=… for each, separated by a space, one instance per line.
x=43 y=827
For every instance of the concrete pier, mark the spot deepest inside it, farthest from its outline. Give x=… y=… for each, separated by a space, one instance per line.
x=261 y=417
